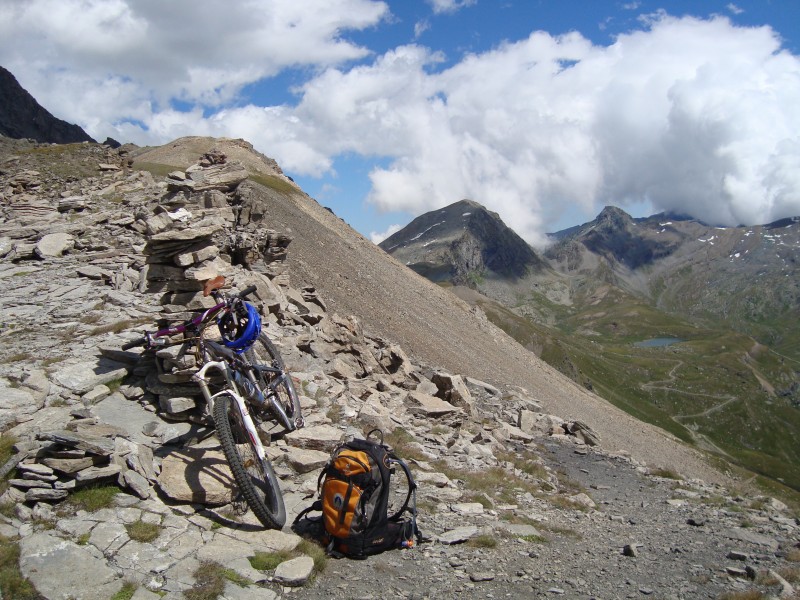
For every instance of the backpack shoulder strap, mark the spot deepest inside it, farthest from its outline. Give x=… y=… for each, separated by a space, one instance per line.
x=412 y=487
x=316 y=506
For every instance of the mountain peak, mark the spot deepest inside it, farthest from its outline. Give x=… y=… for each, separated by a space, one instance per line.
x=614 y=216
x=21 y=116
x=460 y=243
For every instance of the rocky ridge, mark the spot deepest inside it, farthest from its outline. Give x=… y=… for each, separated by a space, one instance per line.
x=89 y=260
x=21 y=116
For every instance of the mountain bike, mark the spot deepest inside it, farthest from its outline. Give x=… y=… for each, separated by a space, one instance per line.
x=245 y=397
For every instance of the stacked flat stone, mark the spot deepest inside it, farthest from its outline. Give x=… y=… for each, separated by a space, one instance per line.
x=86 y=454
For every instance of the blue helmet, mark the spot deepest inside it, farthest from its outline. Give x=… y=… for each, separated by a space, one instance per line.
x=240 y=331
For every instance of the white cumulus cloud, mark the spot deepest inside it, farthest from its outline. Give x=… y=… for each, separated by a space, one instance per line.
x=690 y=115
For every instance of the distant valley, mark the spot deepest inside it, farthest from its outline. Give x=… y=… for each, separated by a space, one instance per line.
x=729 y=296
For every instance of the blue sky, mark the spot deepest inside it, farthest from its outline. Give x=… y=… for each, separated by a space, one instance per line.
x=542 y=110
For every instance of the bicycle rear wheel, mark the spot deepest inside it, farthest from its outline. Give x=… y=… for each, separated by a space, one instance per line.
x=255 y=477
x=264 y=352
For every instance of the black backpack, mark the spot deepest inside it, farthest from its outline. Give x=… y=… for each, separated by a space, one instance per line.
x=354 y=489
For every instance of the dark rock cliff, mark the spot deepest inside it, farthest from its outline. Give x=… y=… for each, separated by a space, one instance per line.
x=21 y=116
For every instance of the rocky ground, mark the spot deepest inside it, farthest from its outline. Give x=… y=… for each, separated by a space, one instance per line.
x=515 y=501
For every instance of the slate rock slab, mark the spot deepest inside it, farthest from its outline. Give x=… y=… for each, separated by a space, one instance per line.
x=84 y=376
x=60 y=569
x=197 y=475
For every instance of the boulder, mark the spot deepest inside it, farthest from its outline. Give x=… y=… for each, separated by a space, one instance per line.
x=425 y=405
x=294 y=572
x=198 y=475
x=54 y=245
x=453 y=389
x=317 y=437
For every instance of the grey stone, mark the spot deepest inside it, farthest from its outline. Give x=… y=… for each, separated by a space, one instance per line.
x=82 y=377
x=46 y=495
x=752 y=537
x=16 y=403
x=176 y=404
x=137 y=483
x=425 y=405
x=251 y=592
x=54 y=245
x=453 y=389
x=93 y=444
x=317 y=437
x=117 y=410
x=60 y=569
x=458 y=535
x=96 y=394
x=305 y=461
x=71 y=465
x=197 y=475
x=97 y=474
x=294 y=572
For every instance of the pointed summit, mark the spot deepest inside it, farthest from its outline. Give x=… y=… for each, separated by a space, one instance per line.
x=461 y=243
x=614 y=217
x=620 y=239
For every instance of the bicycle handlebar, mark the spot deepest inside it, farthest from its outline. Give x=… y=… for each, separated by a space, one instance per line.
x=228 y=302
x=132 y=344
x=247 y=291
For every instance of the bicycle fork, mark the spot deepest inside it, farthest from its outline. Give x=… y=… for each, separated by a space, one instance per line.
x=268 y=397
x=241 y=404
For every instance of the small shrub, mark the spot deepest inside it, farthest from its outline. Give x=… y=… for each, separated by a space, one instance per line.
x=483 y=541
x=126 y=593
x=19 y=357
x=562 y=531
x=91 y=318
x=142 y=531
x=566 y=503
x=209 y=582
x=233 y=576
x=316 y=552
x=535 y=539
x=52 y=360
x=793 y=555
x=93 y=498
x=666 y=473
x=335 y=413
x=401 y=441
x=481 y=499
x=6 y=448
x=114 y=385
x=266 y=561
x=83 y=539
x=790 y=574
x=12 y=583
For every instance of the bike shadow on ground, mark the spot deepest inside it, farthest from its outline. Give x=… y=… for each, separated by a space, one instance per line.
x=197 y=471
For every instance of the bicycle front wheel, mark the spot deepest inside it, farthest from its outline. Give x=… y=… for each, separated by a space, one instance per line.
x=264 y=352
x=256 y=479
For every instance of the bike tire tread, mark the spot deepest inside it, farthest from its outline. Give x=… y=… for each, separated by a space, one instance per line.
x=271 y=519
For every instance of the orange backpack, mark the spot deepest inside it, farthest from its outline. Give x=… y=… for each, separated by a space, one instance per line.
x=354 y=489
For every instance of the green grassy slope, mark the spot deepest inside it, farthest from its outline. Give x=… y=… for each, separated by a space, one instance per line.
x=718 y=390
